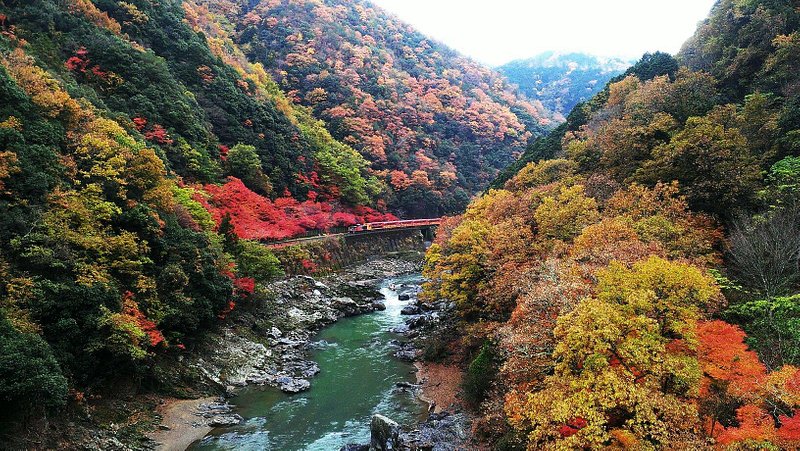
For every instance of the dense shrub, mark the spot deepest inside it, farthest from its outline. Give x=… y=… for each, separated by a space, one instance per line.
x=773 y=328
x=256 y=261
x=479 y=375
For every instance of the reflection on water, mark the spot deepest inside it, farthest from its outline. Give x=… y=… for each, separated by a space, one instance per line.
x=357 y=379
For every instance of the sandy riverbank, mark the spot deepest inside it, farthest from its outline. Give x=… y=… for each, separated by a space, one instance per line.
x=440 y=385
x=184 y=426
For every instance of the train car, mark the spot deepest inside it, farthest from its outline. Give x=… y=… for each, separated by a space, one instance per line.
x=393 y=225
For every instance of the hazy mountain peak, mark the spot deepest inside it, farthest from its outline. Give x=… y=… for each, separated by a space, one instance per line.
x=562 y=79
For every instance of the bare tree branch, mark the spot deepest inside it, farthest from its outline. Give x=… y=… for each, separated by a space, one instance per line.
x=765 y=251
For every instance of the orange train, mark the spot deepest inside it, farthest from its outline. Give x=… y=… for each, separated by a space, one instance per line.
x=393 y=225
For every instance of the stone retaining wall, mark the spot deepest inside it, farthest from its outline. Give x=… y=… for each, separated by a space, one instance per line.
x=334 y=253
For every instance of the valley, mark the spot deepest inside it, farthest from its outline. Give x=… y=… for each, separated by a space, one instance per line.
x=308 y=225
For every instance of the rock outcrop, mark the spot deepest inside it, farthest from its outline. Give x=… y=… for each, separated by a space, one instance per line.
x=384 y=434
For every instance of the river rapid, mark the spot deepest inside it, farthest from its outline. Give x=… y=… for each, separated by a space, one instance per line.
x=358 y=378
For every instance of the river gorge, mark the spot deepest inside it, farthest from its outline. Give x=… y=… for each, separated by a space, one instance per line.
x=358 y=377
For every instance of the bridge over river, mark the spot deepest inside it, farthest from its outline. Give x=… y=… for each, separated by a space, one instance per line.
x=426 y=226
x=338 y=248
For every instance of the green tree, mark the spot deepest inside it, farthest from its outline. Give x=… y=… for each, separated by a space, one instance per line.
x=30 y=377
x=773 y=328
x=479 y=375
x=244 y=163
x=230 y=239
x=783 y=182
x=258 y=262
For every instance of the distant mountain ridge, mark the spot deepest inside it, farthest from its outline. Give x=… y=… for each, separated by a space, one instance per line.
x=562 y=80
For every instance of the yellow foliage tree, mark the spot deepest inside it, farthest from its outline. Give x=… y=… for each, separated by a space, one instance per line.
x=625 y=364
x=563 y=216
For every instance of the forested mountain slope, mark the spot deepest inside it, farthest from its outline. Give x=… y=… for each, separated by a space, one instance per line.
x=634 y=283
x=433 y=124
x=134 y=165
x=562 y=80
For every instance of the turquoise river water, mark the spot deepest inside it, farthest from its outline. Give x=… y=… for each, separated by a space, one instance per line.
x=357 y=379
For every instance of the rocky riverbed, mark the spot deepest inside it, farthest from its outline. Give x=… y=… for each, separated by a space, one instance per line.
x=269 y=345
x=447 y=425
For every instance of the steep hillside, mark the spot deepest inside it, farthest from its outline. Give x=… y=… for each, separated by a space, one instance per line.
x=434 y=125
x=135 y=166
x=634 y=282
x=748 y=46
x=562 y=80
x=744 y=54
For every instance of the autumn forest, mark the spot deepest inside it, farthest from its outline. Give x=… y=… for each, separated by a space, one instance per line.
x=625 y=273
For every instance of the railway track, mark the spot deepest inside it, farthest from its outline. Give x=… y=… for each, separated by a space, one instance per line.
x=362 y=229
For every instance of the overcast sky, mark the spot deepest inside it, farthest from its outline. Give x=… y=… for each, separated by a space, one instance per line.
x=497 y=31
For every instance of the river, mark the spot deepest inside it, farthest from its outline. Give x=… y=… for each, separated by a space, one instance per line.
x=357 y=379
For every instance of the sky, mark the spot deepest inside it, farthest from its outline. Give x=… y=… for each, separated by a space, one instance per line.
x=497 y=31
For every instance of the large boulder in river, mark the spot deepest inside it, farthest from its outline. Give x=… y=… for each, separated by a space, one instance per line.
x=407 y=352
x=384 y=434
x=292 y=385
x=440 y=432
x=225 y=420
